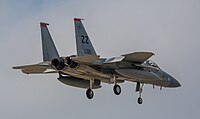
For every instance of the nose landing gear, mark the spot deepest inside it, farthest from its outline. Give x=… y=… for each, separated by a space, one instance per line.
x=139 y=89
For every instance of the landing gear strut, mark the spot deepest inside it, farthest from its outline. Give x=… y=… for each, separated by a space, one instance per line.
x=116 y=88
x=89 y=91
x=139 y=89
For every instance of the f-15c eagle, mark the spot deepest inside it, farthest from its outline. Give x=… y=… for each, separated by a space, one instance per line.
x=88 y=70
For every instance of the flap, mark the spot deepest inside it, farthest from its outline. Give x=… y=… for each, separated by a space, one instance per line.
x=138 y=57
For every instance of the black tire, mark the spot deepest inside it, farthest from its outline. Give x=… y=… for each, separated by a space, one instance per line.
x=117 y=89
x=140 y=100
x=89 y=93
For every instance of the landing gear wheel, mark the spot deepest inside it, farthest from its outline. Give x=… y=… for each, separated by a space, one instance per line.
x=89 y=93
x=140 y=100
x=117 y=89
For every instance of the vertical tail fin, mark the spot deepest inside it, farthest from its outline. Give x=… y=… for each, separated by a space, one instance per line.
x=49 y=49
x=83 y=43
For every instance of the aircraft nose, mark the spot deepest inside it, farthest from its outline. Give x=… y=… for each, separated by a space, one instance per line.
x=174 y=83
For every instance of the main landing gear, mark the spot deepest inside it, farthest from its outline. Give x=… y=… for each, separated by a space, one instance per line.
x=89 y=91
x=116 y=88
x=139 y=89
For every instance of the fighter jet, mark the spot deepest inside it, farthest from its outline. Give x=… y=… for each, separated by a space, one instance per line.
x=88 y=70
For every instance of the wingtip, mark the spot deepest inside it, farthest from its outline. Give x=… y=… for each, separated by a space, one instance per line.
x=78 y=19
x=15 y=67
x=43 y=24
x=152 y=53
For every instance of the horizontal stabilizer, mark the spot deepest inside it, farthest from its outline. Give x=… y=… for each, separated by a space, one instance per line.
x=38 y=71
x=43 y=67
x=34 y=66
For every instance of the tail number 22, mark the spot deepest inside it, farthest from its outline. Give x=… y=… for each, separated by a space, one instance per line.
x=85 y=39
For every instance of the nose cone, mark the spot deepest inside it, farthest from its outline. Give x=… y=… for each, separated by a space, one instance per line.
x=174 y=83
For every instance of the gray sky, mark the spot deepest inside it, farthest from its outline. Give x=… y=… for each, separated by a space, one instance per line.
x=169 y=28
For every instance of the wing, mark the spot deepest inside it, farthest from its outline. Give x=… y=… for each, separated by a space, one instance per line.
x=40 y=68
x=138 y=57
x=86 y=59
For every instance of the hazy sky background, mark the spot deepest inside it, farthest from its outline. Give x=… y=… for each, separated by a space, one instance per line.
x=169 y=28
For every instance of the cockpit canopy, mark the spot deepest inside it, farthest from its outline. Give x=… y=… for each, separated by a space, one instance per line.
x=151 y=63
